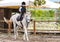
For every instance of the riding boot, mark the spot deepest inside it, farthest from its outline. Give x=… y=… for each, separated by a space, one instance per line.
x=21 y=25
x=21 y=17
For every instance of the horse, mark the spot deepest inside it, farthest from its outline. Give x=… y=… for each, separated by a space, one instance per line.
x=25 y=21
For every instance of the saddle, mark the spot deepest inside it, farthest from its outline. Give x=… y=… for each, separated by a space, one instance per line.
x=19 y=18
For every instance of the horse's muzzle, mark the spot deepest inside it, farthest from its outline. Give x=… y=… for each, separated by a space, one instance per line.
x=31 y=19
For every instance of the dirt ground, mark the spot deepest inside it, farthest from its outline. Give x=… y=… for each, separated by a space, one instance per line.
x=4 y=37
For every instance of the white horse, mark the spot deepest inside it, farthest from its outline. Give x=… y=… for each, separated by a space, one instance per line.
x=25 y=20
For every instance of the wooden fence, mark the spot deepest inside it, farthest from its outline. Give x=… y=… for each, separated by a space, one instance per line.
x=41 y=31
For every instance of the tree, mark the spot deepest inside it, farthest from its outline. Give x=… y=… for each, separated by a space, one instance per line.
x=39 y=2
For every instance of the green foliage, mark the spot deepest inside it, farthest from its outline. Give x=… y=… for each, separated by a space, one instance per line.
x=42 y=14
x=58 y=14
x=39 y=2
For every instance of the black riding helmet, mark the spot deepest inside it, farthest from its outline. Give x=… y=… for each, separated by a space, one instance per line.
x=23 y=3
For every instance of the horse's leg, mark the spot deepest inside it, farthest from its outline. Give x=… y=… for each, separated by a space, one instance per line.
x=9 y=29
x=25 y=32
x=15 y=30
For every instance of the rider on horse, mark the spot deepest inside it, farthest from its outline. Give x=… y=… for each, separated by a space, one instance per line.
x=22 y=9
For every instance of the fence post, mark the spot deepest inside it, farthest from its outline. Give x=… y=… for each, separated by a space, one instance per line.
x=34 y=27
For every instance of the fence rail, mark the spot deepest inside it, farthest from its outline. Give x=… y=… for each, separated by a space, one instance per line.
x=46 y=31
x=35 y=30
x=2 y=21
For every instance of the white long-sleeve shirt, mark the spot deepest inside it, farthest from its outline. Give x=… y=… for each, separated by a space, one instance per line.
x=20 y=9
